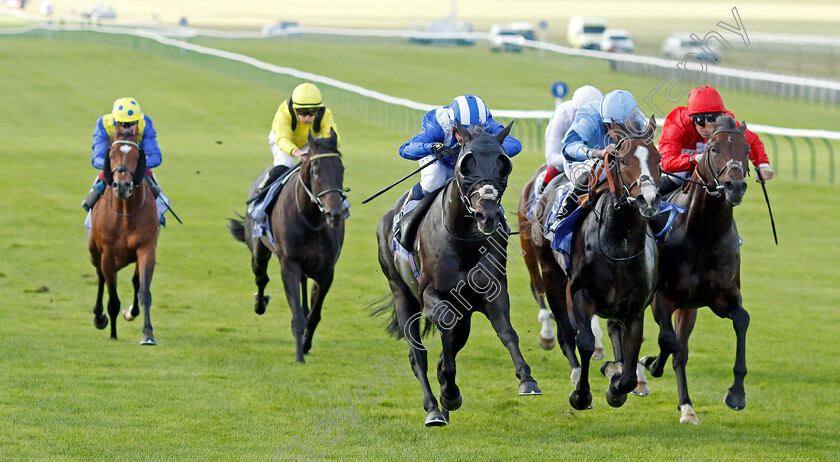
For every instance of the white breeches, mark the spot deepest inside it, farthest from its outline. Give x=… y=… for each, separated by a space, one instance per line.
x=281 y=157
x=574 y=170
x=555 y=160
x=434 y=176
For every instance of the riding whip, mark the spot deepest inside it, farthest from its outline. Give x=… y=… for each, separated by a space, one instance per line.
x=173 y=214
x=767 y=199
x=398 y=182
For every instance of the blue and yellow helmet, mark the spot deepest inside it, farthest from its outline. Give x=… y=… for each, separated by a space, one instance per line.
x=126 y=110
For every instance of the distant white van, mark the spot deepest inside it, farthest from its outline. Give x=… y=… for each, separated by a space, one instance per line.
x=586 y=32
x=511 y=37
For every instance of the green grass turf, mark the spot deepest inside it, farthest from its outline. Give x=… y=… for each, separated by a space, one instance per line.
x=223 y=385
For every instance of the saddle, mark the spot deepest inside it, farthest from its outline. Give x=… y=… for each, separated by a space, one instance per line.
x=410 y=222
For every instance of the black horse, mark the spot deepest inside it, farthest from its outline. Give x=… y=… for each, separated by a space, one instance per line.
x=459 y=255
x=613 y=260
x=700 y=261
x=307 y=225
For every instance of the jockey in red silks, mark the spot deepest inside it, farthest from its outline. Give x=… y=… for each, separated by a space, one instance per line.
x=686 y=131
x=557 y=127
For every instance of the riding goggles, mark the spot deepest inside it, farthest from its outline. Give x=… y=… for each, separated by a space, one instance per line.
x=307 y=112
x=702 y=118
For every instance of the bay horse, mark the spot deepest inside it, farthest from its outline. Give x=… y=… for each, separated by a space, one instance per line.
x=307 y=224
x=461 y=251
x=124 y=230
x=613 y=265
x=700 y=261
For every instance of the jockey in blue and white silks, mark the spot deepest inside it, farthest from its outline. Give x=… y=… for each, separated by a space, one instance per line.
x=438 y=138
x=586 y=142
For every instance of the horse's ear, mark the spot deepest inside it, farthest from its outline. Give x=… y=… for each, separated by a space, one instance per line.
x=651 y=128
x=310 y=138
x=743 y=127
x=106 y=170
x=462 y=131
x=333 y=134
x=140 y=172
x=504 y=133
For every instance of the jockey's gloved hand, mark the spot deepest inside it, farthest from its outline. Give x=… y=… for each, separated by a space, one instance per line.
x=440 y=150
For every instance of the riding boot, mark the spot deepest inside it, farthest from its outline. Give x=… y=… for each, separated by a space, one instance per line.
x=93 y=196
x=669 y=184
x=570 y=201
x=411 y=200
x=273 y=175
x=153 y=182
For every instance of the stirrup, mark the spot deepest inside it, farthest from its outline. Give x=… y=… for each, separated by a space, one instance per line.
x=90 y=200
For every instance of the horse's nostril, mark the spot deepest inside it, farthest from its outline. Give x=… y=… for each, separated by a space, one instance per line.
x=480 y=216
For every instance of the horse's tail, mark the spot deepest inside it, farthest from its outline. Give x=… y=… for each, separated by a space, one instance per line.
x=385 y=306
x=237 y=228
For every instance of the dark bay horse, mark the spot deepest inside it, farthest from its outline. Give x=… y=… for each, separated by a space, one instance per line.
x=700 y=261
x=124 y=230
x=307 y=225
x=460 y=255
x=613 y=261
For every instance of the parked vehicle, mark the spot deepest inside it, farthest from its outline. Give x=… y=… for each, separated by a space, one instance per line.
x=586 y=32
x=445 y=32
x=617 y=41
x=284 y=28
x=511 y=37
x=678 y=45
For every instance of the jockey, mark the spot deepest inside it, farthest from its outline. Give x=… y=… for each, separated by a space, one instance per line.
x=126 y=112
x=684 y=136
x=295 y=118
x=586 y=142
x=557 y=127
x=438 y=140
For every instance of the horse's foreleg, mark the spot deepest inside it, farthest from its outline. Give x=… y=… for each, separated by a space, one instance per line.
x=132 y=311
x=319 y=292
x=631 y=341
x=684 y=320
x=498 y=312
x=583 y=308
x=260 y=256
x=146 y=267
x=110 y=274
x=663 y=308
x=453 y=340
x=736 y=397
x=556 y=284
x=99 y=319
x=446 y=317
x=409 y=315
x=291 y=273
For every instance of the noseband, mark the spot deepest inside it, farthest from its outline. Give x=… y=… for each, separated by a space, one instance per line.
x=316 y=198
x=122 y=167
x=731 y=164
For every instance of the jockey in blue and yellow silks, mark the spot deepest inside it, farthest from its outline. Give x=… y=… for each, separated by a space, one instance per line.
x=125 y=112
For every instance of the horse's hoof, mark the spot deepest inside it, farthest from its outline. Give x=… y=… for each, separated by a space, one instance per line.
x=148 y=340
x=611 y=368
x=615 y=400
x=598 y=354
x=451 y=405
x=435 y=418
x=261 y=303
x=547 y=343
x=529 y=388
x=642 y=389
x=687 y=415
x=100 y=321
x=736 y=402
x=580 y=401
x=649 y=363
x=128 y=315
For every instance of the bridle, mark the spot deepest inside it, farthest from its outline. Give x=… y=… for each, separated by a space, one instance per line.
x=465 y=198
x=316 y=198
x=122 y=168
x=625 y=197
x=731 y=164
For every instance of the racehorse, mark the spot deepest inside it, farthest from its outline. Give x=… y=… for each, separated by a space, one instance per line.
x=307 y=224
x=546 y=337
x=700 y=261
x=613 y=265
x=124 y=230
x=459 y=255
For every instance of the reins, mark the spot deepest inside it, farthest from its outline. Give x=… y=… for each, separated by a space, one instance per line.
x=122 y=167
x=316 y=198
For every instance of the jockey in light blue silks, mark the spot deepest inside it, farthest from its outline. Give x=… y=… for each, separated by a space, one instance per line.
x=586 y=142
x=125 y=113
x=438 y=140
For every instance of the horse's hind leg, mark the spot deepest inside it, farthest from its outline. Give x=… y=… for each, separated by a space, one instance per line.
x=99 y=319
x=453 y=340
x=110 y=274
x=260 y=256
x=498 y=312
x=547 y=338
x=556 y=284
x=685 y=320
x=625 y=382
x=132 y=311
x=662 y=308
x=319 y=292
x=583 y=308
x=146 y=265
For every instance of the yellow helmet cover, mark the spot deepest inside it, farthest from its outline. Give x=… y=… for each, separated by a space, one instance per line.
x=126 y=110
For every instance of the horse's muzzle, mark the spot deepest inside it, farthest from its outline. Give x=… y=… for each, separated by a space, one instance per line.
x=334 y=217
x=123 y=189
x=649 y=210
x=488 y=220
x=734 y=191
